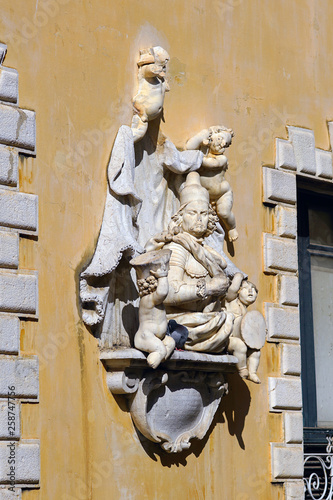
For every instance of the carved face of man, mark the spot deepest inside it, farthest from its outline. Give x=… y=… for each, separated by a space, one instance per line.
x=195 y=218
x=220 y=141
x=248 y=293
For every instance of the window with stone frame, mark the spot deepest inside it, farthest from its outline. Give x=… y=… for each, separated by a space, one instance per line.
x=315 y=258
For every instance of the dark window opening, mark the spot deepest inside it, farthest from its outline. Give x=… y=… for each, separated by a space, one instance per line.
x=315 y=256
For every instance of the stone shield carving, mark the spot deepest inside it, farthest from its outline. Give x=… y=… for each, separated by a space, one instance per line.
x=175 y=403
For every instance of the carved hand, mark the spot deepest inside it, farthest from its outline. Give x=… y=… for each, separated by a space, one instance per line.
x=218 y=285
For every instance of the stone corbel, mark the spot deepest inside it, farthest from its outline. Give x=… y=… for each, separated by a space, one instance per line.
x=175 y=403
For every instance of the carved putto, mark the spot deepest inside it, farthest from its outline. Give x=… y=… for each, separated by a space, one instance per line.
x=213 y=142
x=168 y=305
x=152 y=272
x=148 y=102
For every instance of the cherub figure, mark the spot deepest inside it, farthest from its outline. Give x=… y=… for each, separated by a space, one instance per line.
x=152 y=280
x=213 y=142
x=249 y=330
x=148 y=102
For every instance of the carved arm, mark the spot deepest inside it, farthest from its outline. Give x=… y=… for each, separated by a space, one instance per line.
x=234 y=287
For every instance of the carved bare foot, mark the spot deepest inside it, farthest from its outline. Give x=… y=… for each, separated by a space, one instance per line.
x=170 y=345
x=154 y=359
x=233 y=234
x=243 y=372
x=254 y=377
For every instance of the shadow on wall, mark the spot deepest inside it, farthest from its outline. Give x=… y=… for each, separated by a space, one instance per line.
x=236 y=406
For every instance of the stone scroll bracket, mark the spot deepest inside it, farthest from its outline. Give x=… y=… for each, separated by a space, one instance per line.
x=175 y=403
x=295 y=157
x=18 y=287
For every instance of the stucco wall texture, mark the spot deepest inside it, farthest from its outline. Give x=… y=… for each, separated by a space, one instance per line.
x=253 y=65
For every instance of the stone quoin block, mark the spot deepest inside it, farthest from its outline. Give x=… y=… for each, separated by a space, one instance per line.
x=294 y=490
x=284 y=393
x=285 y=157
x=10 y=425
x=303 y=142
x=282 y=322
x=293 y=427
x=17 y=127
x=287 y=461
x=21 y=373
x=8 y=166
x=280 y=254
x=9 y=249
x=289 y=295
x=286 y=221
x=27 y=462
x=8 y=85
x=18 y=293
x=6 y=494
x=9 y=334
x=18 y=210
x=291 y=359
x=324 y=164
x=279 y=186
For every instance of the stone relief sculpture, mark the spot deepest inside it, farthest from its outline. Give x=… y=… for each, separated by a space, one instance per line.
x=213 y=142
x=249 y=329
x=148 y=103
x=162 y=223
x=197 y=279
x=152 y=272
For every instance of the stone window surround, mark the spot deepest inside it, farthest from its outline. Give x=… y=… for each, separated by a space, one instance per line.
x=296 y=156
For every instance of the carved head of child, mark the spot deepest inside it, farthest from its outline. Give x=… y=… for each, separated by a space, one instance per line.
x=248 y=293
x=220 y=139
x=161 y=59
x=154 y=61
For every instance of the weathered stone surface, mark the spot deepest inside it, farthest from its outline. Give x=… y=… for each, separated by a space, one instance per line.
x=289 y=295
x=291 y=359
x=27 y=462
x=284 y=393
x=18 y=293
x=294 y=490
x=9 y=334
x=287 y=461
x=282 y=322
x=280 y=253
x=6 y=494
x=279 y=186
x=17 y=127
x=285 y=157
x=324 y=164
x=18 y=210
x=10 y=425
x=8 y=166
x=8 y=85
x=293 y=427
x=303 y=142
x=286 y=221
x=9 y=249
x=22 y=373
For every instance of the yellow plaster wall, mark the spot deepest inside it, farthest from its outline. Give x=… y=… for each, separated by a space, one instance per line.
x=253 y=65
